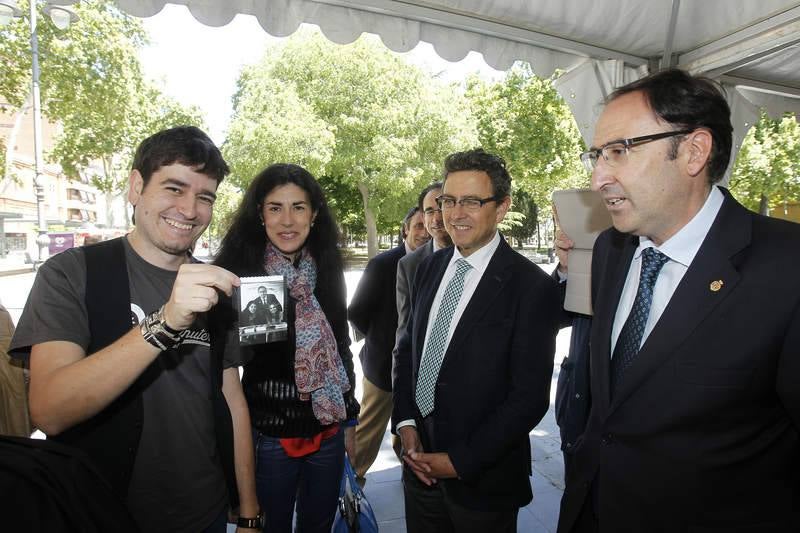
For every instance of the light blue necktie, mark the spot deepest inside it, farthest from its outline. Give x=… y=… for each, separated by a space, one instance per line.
x=434 y=350
x=630 y=337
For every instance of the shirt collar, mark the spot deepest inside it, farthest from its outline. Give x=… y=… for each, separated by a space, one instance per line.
x=683 y=246
x=479 y=259
x=408 y=248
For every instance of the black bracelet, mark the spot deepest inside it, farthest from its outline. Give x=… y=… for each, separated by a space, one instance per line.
x=251 y=523
x=155 y=330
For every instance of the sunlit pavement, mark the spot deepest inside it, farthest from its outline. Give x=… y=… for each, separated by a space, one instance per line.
x=383 y=489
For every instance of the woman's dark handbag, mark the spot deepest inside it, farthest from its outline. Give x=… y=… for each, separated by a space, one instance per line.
x=354 y=514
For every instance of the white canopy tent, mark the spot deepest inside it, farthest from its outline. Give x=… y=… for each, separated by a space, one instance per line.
x=751 y=47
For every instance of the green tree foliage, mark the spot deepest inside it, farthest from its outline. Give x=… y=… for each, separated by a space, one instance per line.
x=91 y=84
x=525 y=120
x=767 y=170
x=357 y=116
x=89 y=72
x=526 y=208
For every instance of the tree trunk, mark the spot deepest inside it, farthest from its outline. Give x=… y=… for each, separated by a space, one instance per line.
x=763 y=205
x=369 y=219
x=109 y=209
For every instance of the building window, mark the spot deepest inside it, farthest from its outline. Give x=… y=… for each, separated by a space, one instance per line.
x=16 y=242
x=81 y=196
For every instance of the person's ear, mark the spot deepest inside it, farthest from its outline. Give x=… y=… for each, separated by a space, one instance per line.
x=502 y=208
x=135 y=187
x=699 y=144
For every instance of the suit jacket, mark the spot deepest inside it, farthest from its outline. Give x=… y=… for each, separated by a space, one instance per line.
x=373 y=312
x=494 y=382
x=702 y=434
x=406 y=269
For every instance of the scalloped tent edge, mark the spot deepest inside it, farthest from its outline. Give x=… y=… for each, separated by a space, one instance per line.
x=599 y=44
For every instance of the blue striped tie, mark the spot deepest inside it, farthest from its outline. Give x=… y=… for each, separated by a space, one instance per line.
x=434 y=350
x=630 y=337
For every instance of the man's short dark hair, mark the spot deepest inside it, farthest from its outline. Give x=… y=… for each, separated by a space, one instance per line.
x=688 y=102
x=479 y=159
x=421 y=198
x=406 y=220
x=185 y=145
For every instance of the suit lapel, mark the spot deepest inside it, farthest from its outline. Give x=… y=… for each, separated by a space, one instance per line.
x=709 y=280
x=612 y=281
x=491 y=284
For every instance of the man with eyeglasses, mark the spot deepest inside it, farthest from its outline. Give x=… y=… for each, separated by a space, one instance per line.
x=407 y=267
x=695 y=343
x=474 y=364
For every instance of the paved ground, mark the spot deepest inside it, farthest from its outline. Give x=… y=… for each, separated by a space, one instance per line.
x=383 y=488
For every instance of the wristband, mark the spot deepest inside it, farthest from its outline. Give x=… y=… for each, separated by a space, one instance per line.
x=251 y=523
x=155 y=330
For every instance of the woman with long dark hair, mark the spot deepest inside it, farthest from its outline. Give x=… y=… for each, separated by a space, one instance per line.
x=299 y=391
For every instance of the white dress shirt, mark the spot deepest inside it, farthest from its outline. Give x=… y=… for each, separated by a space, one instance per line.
x=681 y=249
x=479 y=260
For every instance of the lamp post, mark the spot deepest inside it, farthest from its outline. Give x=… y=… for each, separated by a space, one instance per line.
x=62 y=17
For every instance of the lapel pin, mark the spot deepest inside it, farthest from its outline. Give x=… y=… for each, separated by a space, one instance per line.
x=716 y=285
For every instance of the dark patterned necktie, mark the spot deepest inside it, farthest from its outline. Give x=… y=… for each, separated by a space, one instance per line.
x=630 y=337
x=434 y=350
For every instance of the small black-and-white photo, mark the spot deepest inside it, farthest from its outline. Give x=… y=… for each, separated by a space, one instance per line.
x=262 y=315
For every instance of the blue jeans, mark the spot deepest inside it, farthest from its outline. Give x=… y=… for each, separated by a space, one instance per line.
x=313 y=481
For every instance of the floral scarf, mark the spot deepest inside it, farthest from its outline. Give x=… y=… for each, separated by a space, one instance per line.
x=318 y=370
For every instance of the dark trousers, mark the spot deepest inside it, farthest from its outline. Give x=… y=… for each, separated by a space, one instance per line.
x=312 y=481
x=431 y=510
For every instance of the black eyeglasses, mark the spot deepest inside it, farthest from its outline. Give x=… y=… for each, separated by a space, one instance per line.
x=469 y=204
x=430 y=211
x=616 y=152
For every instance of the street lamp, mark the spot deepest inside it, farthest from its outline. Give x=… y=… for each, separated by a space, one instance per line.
x=62 y=17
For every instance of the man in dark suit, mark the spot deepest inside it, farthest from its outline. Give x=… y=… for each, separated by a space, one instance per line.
x=407 y=267
x=695 y=417
x=373 y=313
x=268 y=308
x=473 y=368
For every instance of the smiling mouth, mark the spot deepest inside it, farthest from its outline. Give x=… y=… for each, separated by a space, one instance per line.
x=459 y=227
x=178 y=225
x=615 y=201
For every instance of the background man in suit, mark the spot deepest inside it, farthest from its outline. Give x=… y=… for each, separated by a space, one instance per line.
x=373 y=313
x=434 y=225
x=696 y=331
x=474 y=365
x=413 y=231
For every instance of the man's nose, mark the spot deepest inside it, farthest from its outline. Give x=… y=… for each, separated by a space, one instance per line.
x=187 y=206
x=602 y=175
